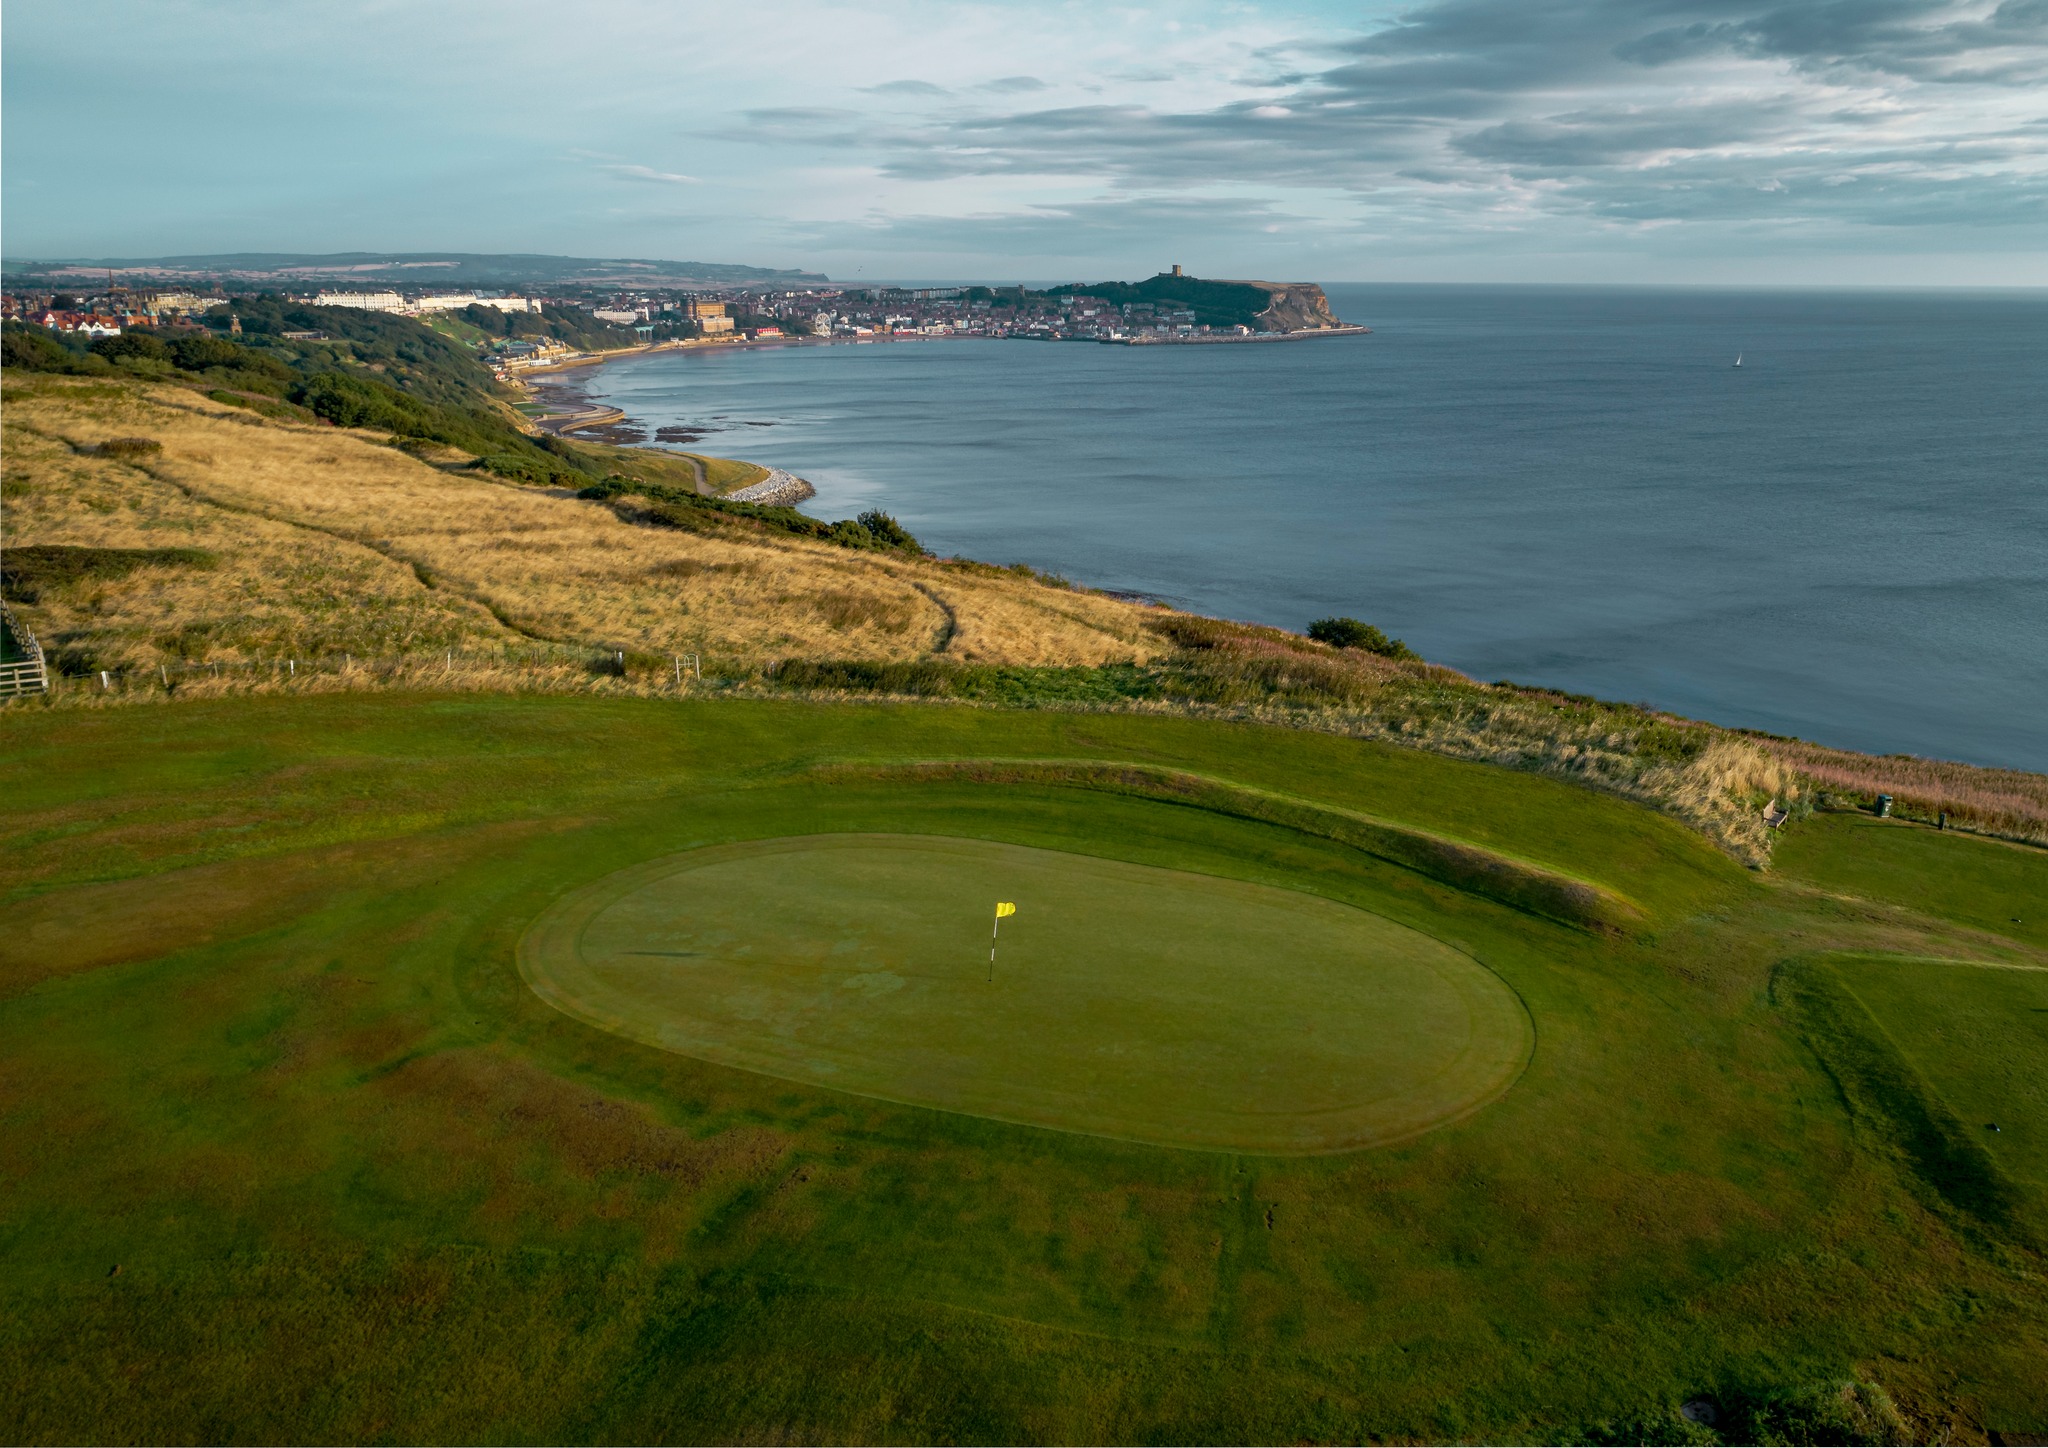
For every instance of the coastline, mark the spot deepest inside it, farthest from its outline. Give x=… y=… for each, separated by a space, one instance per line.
x=599 y=418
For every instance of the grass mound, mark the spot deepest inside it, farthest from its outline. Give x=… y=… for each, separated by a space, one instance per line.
x=1455 y=862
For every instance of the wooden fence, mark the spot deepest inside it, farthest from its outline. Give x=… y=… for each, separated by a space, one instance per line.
x=23 y=669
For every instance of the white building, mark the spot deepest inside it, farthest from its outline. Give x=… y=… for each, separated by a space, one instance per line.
x=456 y=301
x=362 y=301
x=182 y=302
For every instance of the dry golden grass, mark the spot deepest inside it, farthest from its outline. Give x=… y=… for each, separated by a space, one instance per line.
x=351 y=520
x=277 y=591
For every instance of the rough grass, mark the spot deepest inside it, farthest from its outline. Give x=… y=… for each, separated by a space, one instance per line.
x=361 y=1183
x=2008 y=802
x=345 y=549
x=527 y=562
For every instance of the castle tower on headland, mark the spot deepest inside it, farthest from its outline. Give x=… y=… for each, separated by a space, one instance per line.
x=1176 y=268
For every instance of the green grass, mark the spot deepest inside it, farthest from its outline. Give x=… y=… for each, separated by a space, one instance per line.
x=1989 y=884
x=1154 y=1005
x=1979 y=1035
x=265 y=1046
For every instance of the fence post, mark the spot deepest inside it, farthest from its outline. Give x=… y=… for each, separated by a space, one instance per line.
x=166 y=673
x=293 y=666
x=679 y=672
x=104 y=684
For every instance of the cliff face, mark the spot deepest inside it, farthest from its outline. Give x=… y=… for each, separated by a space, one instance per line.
x=1293 y=307
x=1296 y=307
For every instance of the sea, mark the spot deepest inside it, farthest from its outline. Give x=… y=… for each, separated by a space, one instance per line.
x=1844 y=538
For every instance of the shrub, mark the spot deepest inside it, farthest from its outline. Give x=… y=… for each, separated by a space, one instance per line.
x=920 y=676
x=537 y=468
x=349 y=401
x=200 y=351
x=131 y=344
x=887 y=531
x=128 y=447
x=1850 y=1412
x=1349 y=633
x=34 y=350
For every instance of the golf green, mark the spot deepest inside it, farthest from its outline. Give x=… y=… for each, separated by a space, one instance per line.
x=1127 y=1001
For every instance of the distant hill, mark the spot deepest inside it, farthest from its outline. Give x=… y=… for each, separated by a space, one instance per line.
x=418 y=268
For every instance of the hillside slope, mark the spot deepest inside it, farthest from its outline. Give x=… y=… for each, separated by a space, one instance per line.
x=331 y=541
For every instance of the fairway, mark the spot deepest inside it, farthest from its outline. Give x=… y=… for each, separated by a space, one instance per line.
x=1979 y=1035
x=1129 y=1001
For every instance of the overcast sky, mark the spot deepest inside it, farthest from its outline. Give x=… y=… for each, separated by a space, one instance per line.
x=1718 y=141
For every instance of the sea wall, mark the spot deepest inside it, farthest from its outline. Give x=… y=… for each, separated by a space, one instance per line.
x=778 y=490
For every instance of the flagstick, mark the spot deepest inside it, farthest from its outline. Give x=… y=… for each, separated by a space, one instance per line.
x=992 y=949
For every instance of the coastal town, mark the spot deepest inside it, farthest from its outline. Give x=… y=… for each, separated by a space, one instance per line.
x=517 y=331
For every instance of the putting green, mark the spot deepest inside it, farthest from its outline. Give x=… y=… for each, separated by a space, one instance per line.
x=1127 y=1001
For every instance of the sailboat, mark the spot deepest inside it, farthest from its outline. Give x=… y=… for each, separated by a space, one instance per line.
x=1738 y=359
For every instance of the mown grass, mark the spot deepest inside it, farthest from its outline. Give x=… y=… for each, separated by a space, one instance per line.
x=1992 y=886
x=1978 y=1037
x=263 y=1047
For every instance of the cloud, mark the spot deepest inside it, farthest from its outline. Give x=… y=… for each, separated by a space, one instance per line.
x=1058 y=233
x=905 y=88
x=648 y=173
x=1502 y=128
x=1484 y=114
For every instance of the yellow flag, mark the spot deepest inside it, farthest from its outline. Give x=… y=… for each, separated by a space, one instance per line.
x=1004 y=907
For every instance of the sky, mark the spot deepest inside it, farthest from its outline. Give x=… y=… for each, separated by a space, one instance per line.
x=1861 y=142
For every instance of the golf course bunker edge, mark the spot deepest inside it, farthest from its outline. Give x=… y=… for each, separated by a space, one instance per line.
x=1124 y=1000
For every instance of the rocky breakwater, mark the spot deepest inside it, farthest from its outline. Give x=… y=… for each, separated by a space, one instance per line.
x=778 y=490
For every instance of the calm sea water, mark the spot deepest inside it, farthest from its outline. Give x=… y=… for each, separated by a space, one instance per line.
x=1846 y=538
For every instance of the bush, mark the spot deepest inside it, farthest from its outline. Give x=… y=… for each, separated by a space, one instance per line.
x=349 y=401
x=34 y=350
x=1349 y=633
x=536 y=468
x=887 y=531
x=131 y=344
x=128 y=447
x=1849 y=1412
x=200 y=351
x=920 y=676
